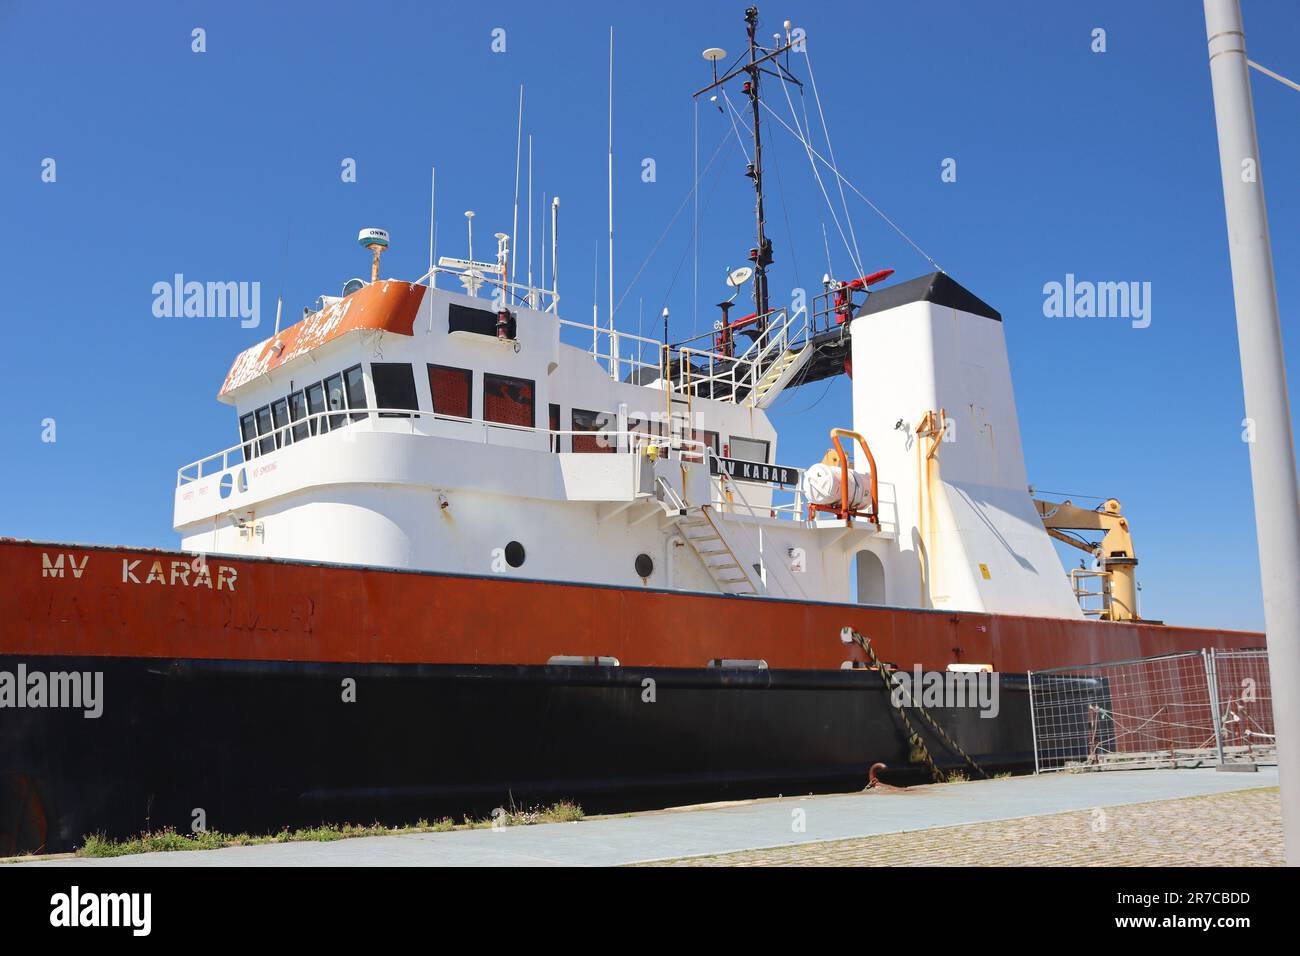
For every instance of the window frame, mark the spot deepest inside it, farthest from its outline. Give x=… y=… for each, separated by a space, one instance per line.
x=265 y=438
x=336 y=421
x=430 y=368
x=490 y=377
x=767 y=449
x=248 y=437
x=608 y=449
x=301 y=429
x=361 y=387
x=319 y=426
x=414 y=396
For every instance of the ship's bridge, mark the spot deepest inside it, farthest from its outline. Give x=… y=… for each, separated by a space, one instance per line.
x=405 y=425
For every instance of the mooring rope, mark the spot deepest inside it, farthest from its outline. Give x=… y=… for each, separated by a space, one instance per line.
x=913 y=737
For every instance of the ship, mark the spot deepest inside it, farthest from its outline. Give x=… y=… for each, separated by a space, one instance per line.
x=470 y=552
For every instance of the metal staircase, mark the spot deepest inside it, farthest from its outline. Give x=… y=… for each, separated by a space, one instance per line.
x=703 y=536
x=779 y=374
x=755 y=376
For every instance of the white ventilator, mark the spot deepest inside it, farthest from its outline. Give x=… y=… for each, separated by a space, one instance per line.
x=822 y=483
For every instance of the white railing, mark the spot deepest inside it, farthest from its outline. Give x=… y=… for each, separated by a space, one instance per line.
x=477 y=430
x=791 y=586
x=792 y=509
x=622 y=353
x=1079 y=580
x=518 y=293
x=706 y=372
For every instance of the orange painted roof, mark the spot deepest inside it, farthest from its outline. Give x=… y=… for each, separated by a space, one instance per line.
x=387 y=305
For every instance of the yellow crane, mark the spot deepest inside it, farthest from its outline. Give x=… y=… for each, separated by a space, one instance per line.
x=1114 y=553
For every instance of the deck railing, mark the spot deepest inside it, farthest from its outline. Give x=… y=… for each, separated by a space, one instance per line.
x=709 y=373
x=610 y=441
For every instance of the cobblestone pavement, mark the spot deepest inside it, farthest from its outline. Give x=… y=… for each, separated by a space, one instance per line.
x=1242 y=828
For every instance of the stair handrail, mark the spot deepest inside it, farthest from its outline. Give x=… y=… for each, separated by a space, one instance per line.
x=670 y=493
x=758 y=544
x=746 y=369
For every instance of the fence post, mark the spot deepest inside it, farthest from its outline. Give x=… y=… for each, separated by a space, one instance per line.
x=1033 y=720
x=1212 y=677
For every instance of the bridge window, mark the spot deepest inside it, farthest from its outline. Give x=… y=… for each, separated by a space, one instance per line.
x=316 y=405
x=555 y=427
x=394 y=387
x=279 y=419
x=450 y=388
x=298 y=412
x=509 y=401
x=248 y=431
x=749 y=449
x=355 y=386
x=266 y=444
x=603 y=424
x=336 y=400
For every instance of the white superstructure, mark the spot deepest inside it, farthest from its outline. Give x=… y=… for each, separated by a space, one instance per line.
x=406 y=426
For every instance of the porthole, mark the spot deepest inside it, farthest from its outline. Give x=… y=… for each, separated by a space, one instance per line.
x=645 y=565
x=227 y=485
x=515 y=554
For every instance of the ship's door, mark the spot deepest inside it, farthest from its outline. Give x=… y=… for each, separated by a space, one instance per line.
x=869 y=572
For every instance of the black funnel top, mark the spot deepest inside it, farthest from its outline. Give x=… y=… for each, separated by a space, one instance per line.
x=937 y=287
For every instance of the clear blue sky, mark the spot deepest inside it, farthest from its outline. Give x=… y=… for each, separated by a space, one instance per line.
x=226 y=166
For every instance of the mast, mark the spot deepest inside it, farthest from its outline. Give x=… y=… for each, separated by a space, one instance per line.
x=762 y=256
x=613 y=358
x=1263 y=372
x=759 y=60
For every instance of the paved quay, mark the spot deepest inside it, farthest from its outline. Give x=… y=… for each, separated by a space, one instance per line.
x=1242 y=828
x=1133 y=817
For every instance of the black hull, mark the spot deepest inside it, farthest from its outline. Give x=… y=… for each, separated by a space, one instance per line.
x=261 y=746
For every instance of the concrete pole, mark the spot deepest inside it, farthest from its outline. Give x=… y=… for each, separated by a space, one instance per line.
x=1263 y=373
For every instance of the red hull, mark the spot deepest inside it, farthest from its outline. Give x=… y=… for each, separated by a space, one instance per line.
x=116 y=602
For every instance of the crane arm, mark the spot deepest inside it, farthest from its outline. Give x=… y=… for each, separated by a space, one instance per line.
x=1115 y=551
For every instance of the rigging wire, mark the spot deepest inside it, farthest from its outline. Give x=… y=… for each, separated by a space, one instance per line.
x=682 y=261
x=693 y=191
x=811 y=162
x=856 y=191
x=1277 y=76
x=1066 y=494
x=857 y=255
x=732 y=116
x=803 y=411
x=785 y=213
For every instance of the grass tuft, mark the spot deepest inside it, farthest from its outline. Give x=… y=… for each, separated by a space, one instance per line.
x=169 y=841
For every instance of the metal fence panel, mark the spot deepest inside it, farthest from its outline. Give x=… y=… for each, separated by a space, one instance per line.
x=1190 y=709
x=1245 y=705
